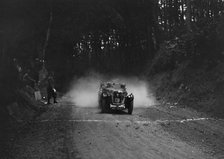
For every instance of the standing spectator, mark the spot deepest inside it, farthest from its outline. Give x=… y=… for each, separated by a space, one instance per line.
x=37 y=92
x=51 y=91
x=43 y=73
x=42 y=80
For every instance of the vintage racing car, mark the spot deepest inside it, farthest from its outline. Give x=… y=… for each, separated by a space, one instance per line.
x=113 y=96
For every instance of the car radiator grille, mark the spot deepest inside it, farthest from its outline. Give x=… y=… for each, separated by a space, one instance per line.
x=118 y=97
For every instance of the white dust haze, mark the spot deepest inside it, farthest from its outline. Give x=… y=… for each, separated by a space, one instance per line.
x=84 y=91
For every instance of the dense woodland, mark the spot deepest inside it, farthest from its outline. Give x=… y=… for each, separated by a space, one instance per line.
x=109 y=36
x=117 y=36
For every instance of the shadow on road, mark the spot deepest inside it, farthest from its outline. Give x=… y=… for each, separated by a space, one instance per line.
x=115 y=112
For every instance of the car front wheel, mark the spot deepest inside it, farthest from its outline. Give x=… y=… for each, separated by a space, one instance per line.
x=130 y=107
x=104 y=105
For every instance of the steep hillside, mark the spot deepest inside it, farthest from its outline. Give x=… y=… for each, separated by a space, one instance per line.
x=198 y=88
x=189 y=71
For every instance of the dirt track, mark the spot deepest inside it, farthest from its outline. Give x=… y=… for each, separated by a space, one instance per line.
x=66 y=131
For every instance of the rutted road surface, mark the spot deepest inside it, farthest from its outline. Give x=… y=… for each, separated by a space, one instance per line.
x=67 y=131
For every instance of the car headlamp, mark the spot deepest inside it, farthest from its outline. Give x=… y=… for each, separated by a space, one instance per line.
x=104 y=95
x=130 y=95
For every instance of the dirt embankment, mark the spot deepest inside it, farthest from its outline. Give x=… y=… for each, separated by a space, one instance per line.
x=198 y=87
x=17 y=116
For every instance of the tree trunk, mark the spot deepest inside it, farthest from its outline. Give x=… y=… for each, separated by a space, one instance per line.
x=47 y=35
x=188 y=15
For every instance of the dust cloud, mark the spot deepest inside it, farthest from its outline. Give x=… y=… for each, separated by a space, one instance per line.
x=84 y=91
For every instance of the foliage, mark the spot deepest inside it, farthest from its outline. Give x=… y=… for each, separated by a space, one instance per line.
x=172 y=53
x=203 y=45
x=110 y=36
